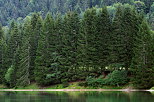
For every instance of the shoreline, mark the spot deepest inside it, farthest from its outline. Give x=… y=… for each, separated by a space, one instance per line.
x=71 y=90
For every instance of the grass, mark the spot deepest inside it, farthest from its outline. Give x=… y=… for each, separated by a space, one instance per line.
x=58 y=86
x=73 y=85
x=32 y=86
x=2 y=86
x=152 y=88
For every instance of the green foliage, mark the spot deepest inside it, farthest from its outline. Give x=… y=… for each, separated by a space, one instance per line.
x=65 y=83
x=142 y=63
x=140 y=6
x=31 y=86
x=116 y=78
x=10 y=75
x=61 y=49
x=1 y=55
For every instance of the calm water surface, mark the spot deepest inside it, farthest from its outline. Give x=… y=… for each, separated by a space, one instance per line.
x=76 y=97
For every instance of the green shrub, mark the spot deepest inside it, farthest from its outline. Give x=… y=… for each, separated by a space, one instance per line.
x=116 y=78
x=65 y=83
x=94 y=82
x=10 y=76
x=83 y=84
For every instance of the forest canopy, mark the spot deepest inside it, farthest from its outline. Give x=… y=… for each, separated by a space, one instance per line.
x=19 y=9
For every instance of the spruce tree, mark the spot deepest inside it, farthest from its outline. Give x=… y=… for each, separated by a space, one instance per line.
x=46 y=61
x=68 y=59
x=90 y=33
x=117 y=44
x=13 y=50
x=23 y=77
x=53 y=74
x=1 y=56
x=13 y=42
x=103 y=38
x=131 y=24
x=36 y=24
x=41 y=67
x=81 y=49
x=142 y=63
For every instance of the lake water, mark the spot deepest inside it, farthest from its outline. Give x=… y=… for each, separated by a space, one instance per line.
x=76 y=97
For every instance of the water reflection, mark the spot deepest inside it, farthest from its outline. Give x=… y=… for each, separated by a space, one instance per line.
x=76 y=97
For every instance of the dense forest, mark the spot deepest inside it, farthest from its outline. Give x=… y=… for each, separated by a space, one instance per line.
x=101 y=42
x=19 y=9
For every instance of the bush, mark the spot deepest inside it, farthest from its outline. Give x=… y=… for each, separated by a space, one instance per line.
x=116 y=78
x=9 y=77
x=94 y=82
x=143 y=79
x=65 y=83
x=83 y=84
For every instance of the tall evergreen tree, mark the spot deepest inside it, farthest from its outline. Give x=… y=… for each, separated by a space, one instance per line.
x=90 y=33
x=46 y=62
x=142 y=64
x=13 y=49
x=13 y=42
x=69 y=43
x=36 y=23
x=1 y=55
x=23 y=77
x=131 y=24
x=103 y=38
x=118 y=47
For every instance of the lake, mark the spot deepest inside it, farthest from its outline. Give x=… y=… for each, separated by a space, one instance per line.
x=76 y=97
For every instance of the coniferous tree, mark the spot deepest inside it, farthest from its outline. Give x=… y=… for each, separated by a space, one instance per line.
x=81 y=49
x=70 y=43
x=53 y=47
x=13 y=49
x=1 y=55
x=23 y=77
x=90 y=33
x=47 y=55
x=131 y=24
x=36 y=23
x=118 y=47
x=41 y=68
x=13 y=42
x=103 y=38
x=142 y=64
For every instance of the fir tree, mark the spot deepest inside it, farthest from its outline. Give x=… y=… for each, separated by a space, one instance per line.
x=131 y=22
x=46 y=69
x=1 y=55
x=90 y=33
x=118 y=47
x=143 y=60
x=69 y=43
x=36 y=23
x=23 y=77
x=103 y=38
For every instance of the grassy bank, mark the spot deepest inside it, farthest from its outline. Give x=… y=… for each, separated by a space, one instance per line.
x=152 y=88
x=74 y=85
